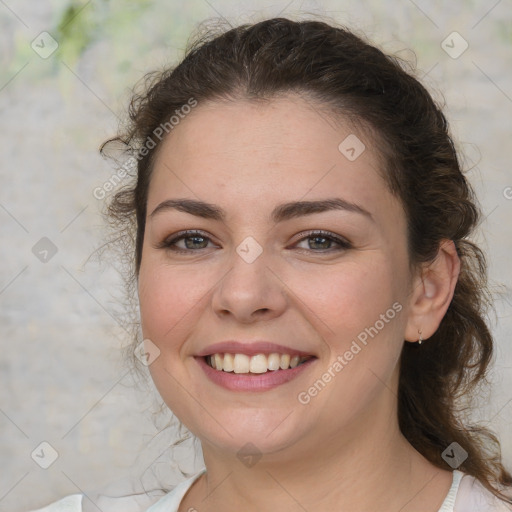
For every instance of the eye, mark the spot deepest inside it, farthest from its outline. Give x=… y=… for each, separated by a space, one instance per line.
x=193 y=241
x=323 y=241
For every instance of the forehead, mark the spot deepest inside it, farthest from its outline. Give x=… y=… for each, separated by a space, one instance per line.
x=281 y=149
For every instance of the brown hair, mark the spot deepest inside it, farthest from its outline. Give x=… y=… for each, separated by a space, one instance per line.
x=340 y=70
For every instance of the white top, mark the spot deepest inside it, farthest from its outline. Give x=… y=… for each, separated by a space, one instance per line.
x=466 y=494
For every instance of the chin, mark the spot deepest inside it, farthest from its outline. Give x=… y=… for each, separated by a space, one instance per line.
x=265 y=433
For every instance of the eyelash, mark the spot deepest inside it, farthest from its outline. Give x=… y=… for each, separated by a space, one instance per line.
x=170 y=242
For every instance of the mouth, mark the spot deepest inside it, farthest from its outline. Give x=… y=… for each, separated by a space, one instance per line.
x=254 y=365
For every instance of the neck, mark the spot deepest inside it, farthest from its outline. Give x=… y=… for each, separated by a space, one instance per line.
x=368 y=466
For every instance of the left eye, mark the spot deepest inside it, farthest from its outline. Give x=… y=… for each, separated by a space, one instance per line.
x=170 y=243
x=195 y=240
x=322 y=239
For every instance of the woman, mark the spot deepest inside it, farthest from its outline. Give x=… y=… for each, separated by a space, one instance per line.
x=312 y=308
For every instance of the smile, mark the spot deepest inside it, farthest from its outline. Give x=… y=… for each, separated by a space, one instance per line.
x=253 y=373
x=254 y=365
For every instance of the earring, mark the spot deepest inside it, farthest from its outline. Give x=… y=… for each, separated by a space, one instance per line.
x=420 y=338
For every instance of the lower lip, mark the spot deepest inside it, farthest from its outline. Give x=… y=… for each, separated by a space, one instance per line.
x=261 y=382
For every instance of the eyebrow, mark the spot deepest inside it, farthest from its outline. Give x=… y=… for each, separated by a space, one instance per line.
x=282 y=212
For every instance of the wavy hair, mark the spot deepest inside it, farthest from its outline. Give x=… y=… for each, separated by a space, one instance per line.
x=355 y=80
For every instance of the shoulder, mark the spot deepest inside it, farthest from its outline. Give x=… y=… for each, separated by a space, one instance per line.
x=124 y=496
x=472 y=496
x=172 y=501
x=119 y=496
x=103 y=501
x=71 y=503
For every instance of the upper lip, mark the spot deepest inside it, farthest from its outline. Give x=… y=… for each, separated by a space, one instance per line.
x=249 y=348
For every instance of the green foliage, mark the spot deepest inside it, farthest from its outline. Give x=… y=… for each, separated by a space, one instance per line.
x=504 y=32
x=76 y=30
x=84 y=22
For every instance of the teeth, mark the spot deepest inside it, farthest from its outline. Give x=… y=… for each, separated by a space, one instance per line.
x=260 y=363
x=228 y=365
x=241 y=363
x=218 y=361
x=273 y=361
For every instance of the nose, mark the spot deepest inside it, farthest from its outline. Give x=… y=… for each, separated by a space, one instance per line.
x=250 y=290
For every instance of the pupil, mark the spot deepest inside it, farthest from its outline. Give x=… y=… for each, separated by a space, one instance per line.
x=321 y=238
x=193 y=238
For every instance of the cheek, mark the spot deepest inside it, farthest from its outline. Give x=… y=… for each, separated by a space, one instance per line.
x=170 y=301
x=357 y=309
x=167 y=296
x=347 y=298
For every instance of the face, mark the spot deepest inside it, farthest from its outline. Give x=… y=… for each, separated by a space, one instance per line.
x=322 y=288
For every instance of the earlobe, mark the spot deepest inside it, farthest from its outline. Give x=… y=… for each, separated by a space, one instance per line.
x=433 y=293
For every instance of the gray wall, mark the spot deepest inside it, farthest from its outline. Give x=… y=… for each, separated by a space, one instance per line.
x=63 y=379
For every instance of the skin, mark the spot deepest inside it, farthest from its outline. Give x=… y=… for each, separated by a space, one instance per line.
x=343 y=450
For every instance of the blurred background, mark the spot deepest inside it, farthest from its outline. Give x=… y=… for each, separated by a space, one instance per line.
x=66 y=70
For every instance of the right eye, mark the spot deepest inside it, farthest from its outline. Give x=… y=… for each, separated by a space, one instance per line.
x=197 y=241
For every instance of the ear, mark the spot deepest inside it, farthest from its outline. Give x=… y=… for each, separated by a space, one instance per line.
x=432 y=292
